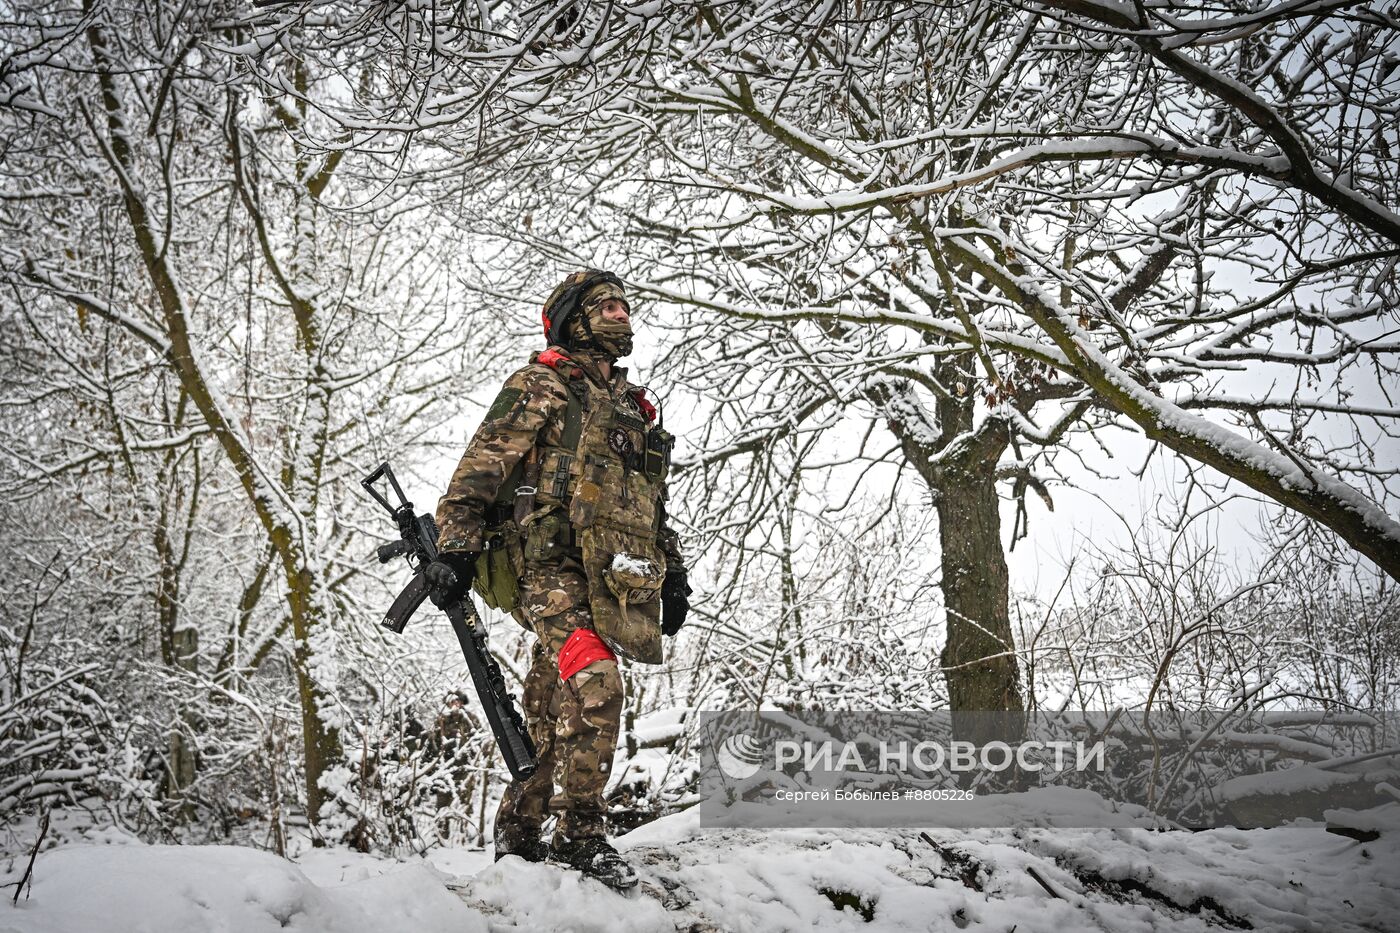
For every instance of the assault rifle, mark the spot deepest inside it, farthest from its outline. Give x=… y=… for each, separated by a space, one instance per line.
x=418 y=535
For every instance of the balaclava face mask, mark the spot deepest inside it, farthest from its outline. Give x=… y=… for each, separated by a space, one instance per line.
x=612 y=337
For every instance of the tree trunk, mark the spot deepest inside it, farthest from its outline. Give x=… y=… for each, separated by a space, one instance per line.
x=959 y=466
x=978 y=659
x=321 y=740
x=177 y=344
x=185 y=652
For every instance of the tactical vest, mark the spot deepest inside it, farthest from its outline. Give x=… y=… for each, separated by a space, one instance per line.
x=601 y=489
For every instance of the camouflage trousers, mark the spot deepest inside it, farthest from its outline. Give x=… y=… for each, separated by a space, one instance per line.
x=573 y=723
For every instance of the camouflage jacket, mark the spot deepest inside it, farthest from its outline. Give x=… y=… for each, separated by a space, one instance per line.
x=528 y=412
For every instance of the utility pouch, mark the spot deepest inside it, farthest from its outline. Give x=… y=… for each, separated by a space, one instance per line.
x=633 y=579
x=625 y=571
x=496 y=581
x=547 y=537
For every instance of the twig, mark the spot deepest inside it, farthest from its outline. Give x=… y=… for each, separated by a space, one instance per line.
x=1031 y=870
x=967 y=868
x=33 y=854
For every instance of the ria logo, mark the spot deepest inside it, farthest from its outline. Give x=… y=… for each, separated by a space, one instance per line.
x=740 y=756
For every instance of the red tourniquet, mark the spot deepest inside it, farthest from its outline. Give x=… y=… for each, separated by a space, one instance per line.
x=647 y=408
x=581 y=649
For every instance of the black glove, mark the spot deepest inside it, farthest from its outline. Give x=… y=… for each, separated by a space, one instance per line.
x=450 y=576
x=674 y=602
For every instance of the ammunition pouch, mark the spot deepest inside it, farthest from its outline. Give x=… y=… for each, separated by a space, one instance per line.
x=496 y=581
x=547 y=536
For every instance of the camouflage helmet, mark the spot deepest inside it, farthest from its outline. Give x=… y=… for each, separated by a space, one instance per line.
x=578 y=291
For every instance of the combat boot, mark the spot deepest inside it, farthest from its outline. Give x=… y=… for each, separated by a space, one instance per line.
x=596 y=859
x=520 y=838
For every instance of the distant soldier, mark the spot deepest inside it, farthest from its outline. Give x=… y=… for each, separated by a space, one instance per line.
x=451 y=725
x=448 y=743
x=557 y=511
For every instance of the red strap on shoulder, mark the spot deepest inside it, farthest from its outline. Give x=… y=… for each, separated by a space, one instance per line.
x=551 y=358
x=648 y=409
x=581 y=649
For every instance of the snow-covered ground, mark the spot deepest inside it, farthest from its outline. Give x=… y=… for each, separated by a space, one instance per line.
x=740 y=879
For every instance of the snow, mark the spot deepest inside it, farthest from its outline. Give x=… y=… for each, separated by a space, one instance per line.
x=1384 y=819
x=224 y=888
x=1288 y=781
x=693 y=878
x=527 y=897
x=629 y=563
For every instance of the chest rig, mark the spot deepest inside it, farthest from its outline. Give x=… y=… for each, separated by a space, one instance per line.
x=609 y=440
x=597 y=486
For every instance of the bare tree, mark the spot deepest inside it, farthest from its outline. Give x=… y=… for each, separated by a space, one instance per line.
x=153 y=193
x=1072 y=183
x=1069 y=207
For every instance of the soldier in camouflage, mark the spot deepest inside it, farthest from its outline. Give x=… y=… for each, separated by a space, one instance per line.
x=446 y=742
x=573 y=453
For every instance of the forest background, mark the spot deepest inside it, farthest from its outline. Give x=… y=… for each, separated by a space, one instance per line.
x=1022 y=355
